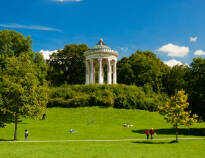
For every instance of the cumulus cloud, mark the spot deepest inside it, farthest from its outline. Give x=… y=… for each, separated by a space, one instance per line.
x=31 y=27
x=46 y=53
x=68 y=0
x=174 y=50
x=199 y=52
x=193 y=39
x=173 y=62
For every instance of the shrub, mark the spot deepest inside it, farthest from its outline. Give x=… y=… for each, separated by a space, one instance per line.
x=118 y=96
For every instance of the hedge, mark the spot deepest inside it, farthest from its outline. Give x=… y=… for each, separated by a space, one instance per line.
x=118 y=96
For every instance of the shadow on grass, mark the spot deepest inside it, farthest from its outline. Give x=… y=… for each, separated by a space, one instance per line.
x=154 y=142
x=172 y=131
x=1 y=140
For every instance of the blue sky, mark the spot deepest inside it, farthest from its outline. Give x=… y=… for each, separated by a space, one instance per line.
x=162 y=26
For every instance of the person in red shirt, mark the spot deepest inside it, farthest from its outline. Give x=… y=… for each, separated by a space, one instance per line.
x=152 y=133
x=147 y=133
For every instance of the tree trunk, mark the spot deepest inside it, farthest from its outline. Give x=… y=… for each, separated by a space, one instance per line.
x=176 y=133
x=15 y=131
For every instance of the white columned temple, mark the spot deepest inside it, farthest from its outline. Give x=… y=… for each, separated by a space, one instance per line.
x=104 y=57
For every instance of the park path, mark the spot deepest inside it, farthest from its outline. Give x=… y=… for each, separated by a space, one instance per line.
x=117 y=140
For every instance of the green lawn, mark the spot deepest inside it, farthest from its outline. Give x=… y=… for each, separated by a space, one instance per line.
x=107 y=124
x=140 y=149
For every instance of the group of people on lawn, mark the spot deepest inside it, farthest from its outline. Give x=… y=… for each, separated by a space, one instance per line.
x=150 y=132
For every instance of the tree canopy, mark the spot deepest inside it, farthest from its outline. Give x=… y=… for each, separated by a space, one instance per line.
x=175 y=112
x=23 y=88
x=21 y=92
x=13 y=43
x=142 y=68
x=68 y=65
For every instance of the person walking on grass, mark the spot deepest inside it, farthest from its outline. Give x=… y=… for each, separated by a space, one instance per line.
x=147 y=133
x=26 y=134
x=152 y=133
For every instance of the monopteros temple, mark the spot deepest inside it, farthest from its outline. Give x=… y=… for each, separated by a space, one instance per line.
x=101 y=58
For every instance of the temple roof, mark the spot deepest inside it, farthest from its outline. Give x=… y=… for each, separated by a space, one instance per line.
x=101 y=47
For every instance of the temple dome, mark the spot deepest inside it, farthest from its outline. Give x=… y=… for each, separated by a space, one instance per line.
x=101 y=48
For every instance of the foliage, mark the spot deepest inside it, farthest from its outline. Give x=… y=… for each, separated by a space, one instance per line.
x=13 y=43
x=174 y=111
x=125 y=73
x=176 y=79
x=40 y=67
x=196 y=87
x=22 y=94
x=142 y=68
x=68 y=65
x=119 y=96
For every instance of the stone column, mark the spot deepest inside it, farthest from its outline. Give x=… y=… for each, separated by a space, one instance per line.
x=91 y=71
x=109 y=72
x=100 y=78
x=115 y=72
x=87 y=72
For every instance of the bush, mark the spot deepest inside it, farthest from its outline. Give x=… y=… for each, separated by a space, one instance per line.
x=118 y=96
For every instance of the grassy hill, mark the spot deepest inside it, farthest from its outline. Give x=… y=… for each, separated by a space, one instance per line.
x=97 y=123
x=107 y=124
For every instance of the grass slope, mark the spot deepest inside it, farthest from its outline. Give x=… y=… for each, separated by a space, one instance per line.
x=108 y=124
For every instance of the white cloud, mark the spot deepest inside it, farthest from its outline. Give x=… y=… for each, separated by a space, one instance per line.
x=174 y=50
x=46 y=53
x=31 y=27
x=68 y=0
x=193 y=39
x=124 y=49
x=174 y=62
x=199 y=52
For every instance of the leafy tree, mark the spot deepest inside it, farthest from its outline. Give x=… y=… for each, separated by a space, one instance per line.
x=13 y=43
x=21 y=92
x=142 y=68
x=196 y=87
x=176 y=79
x=68 y=65
x=41 y=67
x=175 y=112
x=125 y=73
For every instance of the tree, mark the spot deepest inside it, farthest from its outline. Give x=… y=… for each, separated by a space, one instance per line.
x=68 y=65
x=21 y=91
x=174 y=111
x=196 y=87
x=13 y=43
x=176 y=79
x=125 y=73
x=142 y=68
x=41 y=67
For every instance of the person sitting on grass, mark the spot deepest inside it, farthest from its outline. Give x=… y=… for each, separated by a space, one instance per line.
x=2 y=125
x=72 y=131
